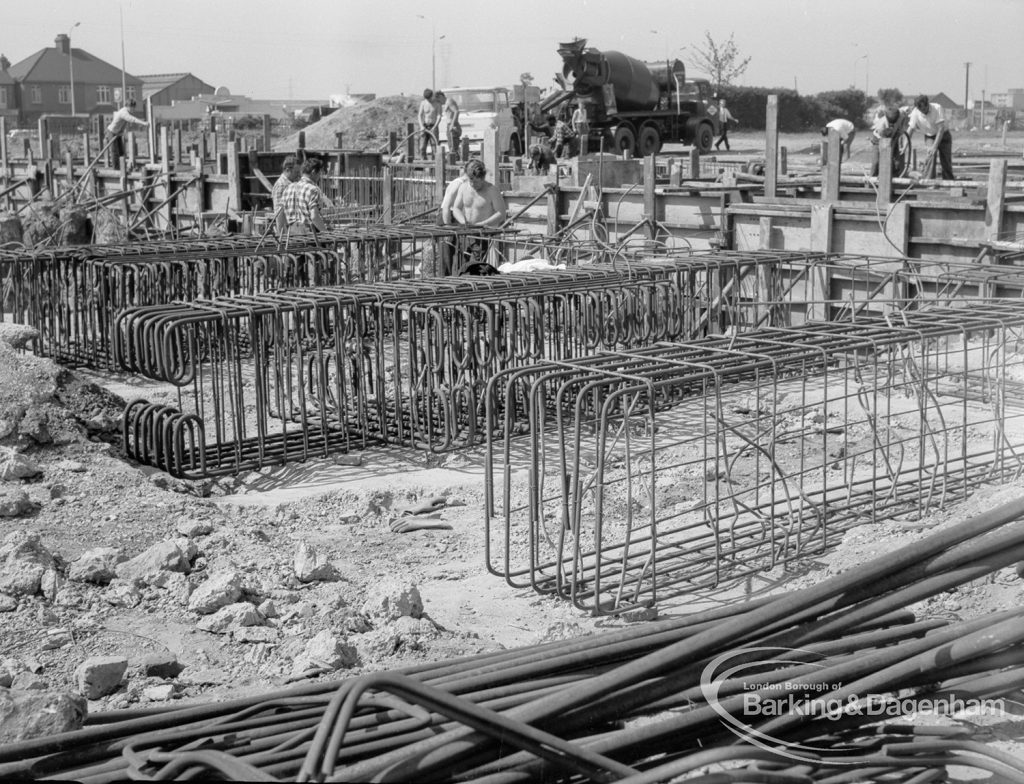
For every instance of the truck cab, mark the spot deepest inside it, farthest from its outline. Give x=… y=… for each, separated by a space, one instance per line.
x=500 y=107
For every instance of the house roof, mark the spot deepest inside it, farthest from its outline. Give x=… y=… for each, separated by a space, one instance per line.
x=51 y=65
x=154 y=83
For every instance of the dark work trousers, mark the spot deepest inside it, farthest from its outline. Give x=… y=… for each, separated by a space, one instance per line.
x=724 y=138
x=945 y=156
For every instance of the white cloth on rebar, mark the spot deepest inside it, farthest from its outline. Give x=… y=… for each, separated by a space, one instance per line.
x=529 y=265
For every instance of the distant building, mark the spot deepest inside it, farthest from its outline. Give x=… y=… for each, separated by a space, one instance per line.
x=223 y=102
x=167 y=89
x=8 y=96
x=44 y=82
x=1011 y=99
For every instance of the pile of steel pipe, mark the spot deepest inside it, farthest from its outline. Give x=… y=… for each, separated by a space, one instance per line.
x=72 y=295
x=677 y=467
x=293 y=374
x=810 y=685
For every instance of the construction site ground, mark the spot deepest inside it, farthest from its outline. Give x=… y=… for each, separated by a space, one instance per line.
x=88 y=496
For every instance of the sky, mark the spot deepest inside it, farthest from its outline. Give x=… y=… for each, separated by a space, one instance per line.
x=325 y=47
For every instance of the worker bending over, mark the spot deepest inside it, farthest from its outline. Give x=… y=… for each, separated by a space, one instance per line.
x=477 y=203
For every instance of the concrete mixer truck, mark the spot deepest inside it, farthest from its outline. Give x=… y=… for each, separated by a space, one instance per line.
x=637 y=106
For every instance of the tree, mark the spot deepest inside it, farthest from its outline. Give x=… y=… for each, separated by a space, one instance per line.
x=721 y=61
x=890 y=96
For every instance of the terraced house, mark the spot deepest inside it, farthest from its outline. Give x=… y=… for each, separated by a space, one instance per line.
x=63 y=80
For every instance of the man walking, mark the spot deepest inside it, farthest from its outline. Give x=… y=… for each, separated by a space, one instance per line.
x=725 y=121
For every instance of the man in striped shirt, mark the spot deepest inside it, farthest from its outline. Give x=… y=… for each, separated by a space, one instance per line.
x=303 y=200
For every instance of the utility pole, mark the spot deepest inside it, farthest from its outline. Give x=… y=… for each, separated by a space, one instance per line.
x=967 y=86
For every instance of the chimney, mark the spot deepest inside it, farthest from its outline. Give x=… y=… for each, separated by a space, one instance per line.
x=63 y=43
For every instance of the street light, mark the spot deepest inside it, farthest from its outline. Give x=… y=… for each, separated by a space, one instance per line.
x=433 y=50
x=71 y=67
x=867 y=66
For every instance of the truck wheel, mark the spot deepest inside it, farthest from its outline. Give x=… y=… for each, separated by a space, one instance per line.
x=650 y=141
x=625 y=140
x=705 y=138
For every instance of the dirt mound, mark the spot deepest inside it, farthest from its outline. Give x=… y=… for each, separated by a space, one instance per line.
x=364 y=127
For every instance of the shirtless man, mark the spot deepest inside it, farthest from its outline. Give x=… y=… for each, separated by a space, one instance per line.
x=428 y=117
x=477 y=203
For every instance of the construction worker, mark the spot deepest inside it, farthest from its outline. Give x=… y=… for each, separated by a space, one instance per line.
x=291 y=170
x=428 y=117
x=450 y=111
x=303 y=200
x=122 y=119
x=477 y=203
x=930 y=120
x=846 y=131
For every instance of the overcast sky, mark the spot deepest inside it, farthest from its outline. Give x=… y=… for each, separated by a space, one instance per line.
x=315 y=48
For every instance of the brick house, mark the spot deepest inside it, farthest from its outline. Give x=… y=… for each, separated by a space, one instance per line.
x=8 y=96
x=44 y=82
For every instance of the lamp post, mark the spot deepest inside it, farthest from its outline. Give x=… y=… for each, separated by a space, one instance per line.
x=433 y=50
x=71 y=67
x=867 y=66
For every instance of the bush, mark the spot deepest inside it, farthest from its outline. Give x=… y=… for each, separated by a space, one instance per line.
x=797 y=113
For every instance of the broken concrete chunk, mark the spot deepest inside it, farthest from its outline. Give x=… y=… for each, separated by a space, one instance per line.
x=15 y=466
x=14 y=502
x=17 y=336
x=255 y=634
x=98 y=565
x=194 y=528
x=230 y=617
x=325 y=651
x=310 y=565
x=161 y=665
x=99 y=676
x=161 y=693
x=393 y=599
x=34 y=714
x=23 y=561
x=146 y=566
x=219 y=590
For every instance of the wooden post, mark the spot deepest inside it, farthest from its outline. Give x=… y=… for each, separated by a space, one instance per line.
x=165 y=148
x=830 y=184
x=783 y=161
x=302 y=140
x=764 y=239
x=266 y=132
x=410 y=141
x=439 y=172
x=151 y=135
x=392 y=143
x=131 y=150
x=491 y=153
x=69 y=169
x=771 y=146
x=388 y=196
x=125 y=202
x=554 y=201
x=821 y=227
x=650 y=203
x=694 y=163
x=86 y=156
x=996 y=198
x=178 y=153
x=44 y=132
x=203 y=153
x=339 y=140
x=884 y=196
x=4 y=172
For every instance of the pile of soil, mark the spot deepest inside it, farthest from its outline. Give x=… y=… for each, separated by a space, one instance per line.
x=363 y=127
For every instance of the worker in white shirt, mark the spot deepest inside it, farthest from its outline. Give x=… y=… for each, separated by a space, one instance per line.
x=122 y=119
x=928 y=118
x=846 y=131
